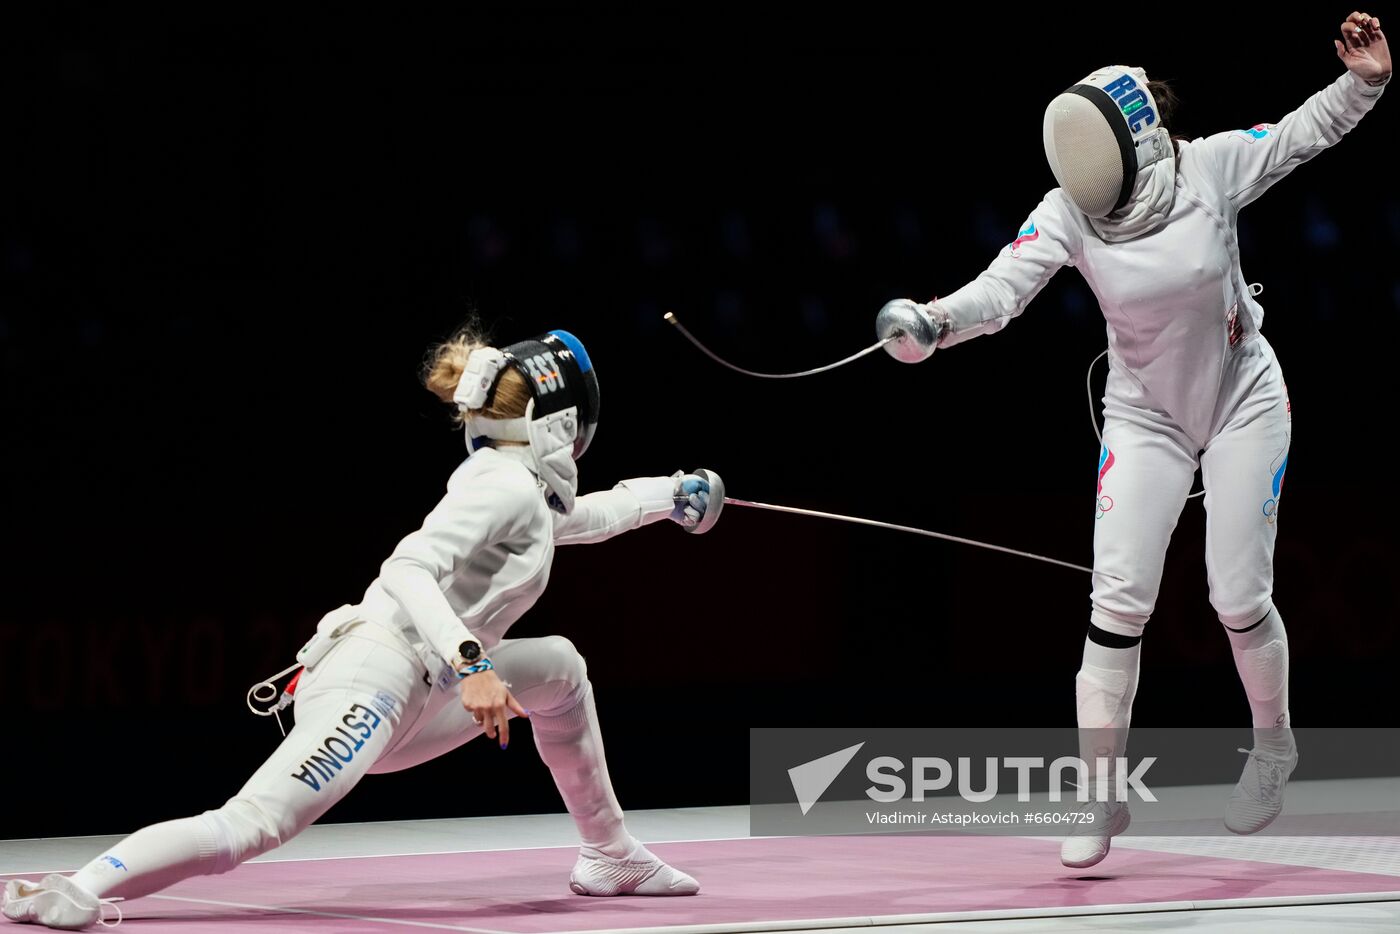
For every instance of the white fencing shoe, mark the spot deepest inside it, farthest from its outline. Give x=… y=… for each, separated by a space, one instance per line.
x=55 y=902
x=1258 y=796
x=1088 y=843
x=641 y=873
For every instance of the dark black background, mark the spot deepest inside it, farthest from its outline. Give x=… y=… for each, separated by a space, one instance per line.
x=228 y=243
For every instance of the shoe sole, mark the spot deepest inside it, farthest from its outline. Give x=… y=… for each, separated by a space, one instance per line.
x=578 y=889
x=1108 y=845
x=1246 y=833
x=1085 y=864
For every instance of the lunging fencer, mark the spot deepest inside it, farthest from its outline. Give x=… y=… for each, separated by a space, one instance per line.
x=1151 y=223
x=422 y=664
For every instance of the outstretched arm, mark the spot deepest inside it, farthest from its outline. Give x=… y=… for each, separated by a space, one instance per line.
x=682 y=497
x=629 y=505
x=1252 y=161
x=1047 y=241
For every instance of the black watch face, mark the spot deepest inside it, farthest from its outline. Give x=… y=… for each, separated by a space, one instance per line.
x=470 y=651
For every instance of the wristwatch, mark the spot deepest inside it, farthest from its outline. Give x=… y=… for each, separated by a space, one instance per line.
x=468 y=654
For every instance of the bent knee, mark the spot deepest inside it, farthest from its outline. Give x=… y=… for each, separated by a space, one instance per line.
x=559 y=660
x=548 y=676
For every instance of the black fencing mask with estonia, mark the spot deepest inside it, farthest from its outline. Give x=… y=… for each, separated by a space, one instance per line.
x=561 y=417
x=1100 y=133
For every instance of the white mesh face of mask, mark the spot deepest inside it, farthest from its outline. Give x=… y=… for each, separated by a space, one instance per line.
x=1084 y=154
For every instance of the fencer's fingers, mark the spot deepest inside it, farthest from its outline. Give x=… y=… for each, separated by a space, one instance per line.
x=503 y=719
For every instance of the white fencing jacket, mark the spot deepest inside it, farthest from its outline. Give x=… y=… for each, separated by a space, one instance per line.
x=482 y=556
x=1174 y=297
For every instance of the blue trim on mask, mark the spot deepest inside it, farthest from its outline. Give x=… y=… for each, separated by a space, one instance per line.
x=576 y=346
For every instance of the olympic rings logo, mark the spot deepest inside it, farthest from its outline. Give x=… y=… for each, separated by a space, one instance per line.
x=1104 y=502
x=1271 y=504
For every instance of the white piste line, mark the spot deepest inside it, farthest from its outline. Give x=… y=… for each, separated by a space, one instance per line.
x=1004 y=914
x=494 y=849
x=1128 y=843
x=1273 y=859
x=1143 y=845
x=498 y=849
x=327 y=914
x=698 y=810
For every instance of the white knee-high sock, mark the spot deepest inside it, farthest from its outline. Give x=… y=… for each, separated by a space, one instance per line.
x=1107 y=681
x=571 y=744
x=1261 y=658
x=1104 y=692
x=153 y=858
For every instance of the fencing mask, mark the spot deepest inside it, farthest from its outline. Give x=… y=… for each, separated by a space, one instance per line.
x=1100 y=133
x=562 y=413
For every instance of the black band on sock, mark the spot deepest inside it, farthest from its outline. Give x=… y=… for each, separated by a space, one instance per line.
x=1111 y=640
x=1248 y=628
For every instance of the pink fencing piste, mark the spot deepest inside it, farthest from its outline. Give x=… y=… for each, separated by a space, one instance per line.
x=744 y=883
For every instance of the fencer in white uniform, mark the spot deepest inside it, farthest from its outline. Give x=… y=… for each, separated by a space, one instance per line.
x=412 y=670
x=1151 y=222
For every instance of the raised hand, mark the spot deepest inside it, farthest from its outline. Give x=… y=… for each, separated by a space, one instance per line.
x=1363 y=48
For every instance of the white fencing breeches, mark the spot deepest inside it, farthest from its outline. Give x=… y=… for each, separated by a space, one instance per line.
x=1146 y=469
x=366 y=707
